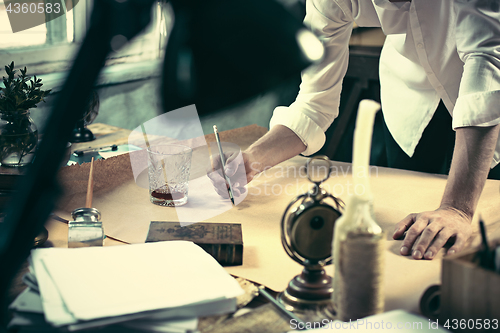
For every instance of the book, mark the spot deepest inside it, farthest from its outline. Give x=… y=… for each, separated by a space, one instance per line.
x=223 y=241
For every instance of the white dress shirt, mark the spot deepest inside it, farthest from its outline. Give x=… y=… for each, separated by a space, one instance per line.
x=435 y=50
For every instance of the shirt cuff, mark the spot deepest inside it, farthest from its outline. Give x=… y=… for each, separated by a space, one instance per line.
x=304 y=127
x=477 y=109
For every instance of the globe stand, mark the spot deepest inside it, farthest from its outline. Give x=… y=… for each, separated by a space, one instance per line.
x=306 y=235
x=308 y=291
x=81 y=133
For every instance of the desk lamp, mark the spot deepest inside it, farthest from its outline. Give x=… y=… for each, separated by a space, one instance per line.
x=221 y=51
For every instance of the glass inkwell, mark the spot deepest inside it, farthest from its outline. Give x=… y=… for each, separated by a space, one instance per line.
x=86 y=228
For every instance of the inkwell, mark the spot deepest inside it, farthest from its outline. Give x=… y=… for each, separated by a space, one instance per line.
x=86 y=228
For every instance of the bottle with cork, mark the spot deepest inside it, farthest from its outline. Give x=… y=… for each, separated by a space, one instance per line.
x=359 y=242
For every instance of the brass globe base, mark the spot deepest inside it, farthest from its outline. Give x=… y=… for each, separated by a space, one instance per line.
x=310 y=291
x=41 y=238
x=81 y=134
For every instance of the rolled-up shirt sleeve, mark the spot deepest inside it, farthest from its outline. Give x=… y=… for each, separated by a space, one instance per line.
x=478 y=45
x=317 y=103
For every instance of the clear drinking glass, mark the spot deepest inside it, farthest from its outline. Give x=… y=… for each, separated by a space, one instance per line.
x=169 y=167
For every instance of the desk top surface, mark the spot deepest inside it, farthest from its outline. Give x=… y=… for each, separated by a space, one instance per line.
x=127 y=213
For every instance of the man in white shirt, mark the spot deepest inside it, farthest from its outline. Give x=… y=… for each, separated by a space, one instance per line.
x=446 y=50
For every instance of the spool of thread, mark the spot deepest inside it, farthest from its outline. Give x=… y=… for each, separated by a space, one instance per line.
x=358 y=246
x=430 y=303
x=360 y=280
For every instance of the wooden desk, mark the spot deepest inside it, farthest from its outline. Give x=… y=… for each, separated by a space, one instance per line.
x=396 y=192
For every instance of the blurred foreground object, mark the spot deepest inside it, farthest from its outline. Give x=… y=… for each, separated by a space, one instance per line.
x=222 y=52
x=470 y=293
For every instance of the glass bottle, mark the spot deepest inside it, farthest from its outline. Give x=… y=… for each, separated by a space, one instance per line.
x=18 y=138
x=358 y=254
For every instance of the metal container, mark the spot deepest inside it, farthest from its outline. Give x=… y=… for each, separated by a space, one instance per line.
x=86 y=228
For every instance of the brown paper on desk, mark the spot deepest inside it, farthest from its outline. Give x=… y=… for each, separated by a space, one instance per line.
x=127 y=212
x=124 y=204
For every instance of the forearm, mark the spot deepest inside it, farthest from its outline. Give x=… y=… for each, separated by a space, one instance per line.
x=472 y=156
x=278 y=145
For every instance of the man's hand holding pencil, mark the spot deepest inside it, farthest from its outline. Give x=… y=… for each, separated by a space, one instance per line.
x=234 y=170
x=229 y=172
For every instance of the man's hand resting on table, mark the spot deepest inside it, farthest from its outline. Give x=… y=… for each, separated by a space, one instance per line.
x=435 y=229
x=474 y=147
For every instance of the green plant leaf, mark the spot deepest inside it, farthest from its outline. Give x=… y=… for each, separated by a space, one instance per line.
x=20 y=93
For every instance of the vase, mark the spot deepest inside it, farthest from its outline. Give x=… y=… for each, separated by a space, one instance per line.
x=18 y=138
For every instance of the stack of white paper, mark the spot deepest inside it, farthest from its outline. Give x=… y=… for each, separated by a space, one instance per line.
x=149 y=283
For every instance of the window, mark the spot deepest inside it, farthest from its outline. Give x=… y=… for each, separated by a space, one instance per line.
x=34 y=36
x=45 y=48
x=50 y=47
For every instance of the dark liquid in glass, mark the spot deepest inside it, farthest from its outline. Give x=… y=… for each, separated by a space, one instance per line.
x=167 y=196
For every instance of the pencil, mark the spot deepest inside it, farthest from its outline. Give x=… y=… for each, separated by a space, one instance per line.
x=486 y=254
x=152 y=161
x=223 y=161
x=90 y=185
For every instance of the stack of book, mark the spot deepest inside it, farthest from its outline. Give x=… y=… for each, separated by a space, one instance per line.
x=160 y=287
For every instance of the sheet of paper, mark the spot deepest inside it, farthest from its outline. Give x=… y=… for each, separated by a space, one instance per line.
x=203 y=202
x=114 y=281
x=171 y=326
x=122 y=149
x=164 y=315
x=27 y=301
x=54 y=309
x=29 y=322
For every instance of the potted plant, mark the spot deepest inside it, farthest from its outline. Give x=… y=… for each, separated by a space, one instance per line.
x=18 y=133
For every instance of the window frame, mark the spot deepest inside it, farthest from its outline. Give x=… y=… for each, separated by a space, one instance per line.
x=48 y=58
x=55 y=60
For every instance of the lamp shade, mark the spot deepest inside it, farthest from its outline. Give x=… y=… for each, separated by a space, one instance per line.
x=222 y=52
